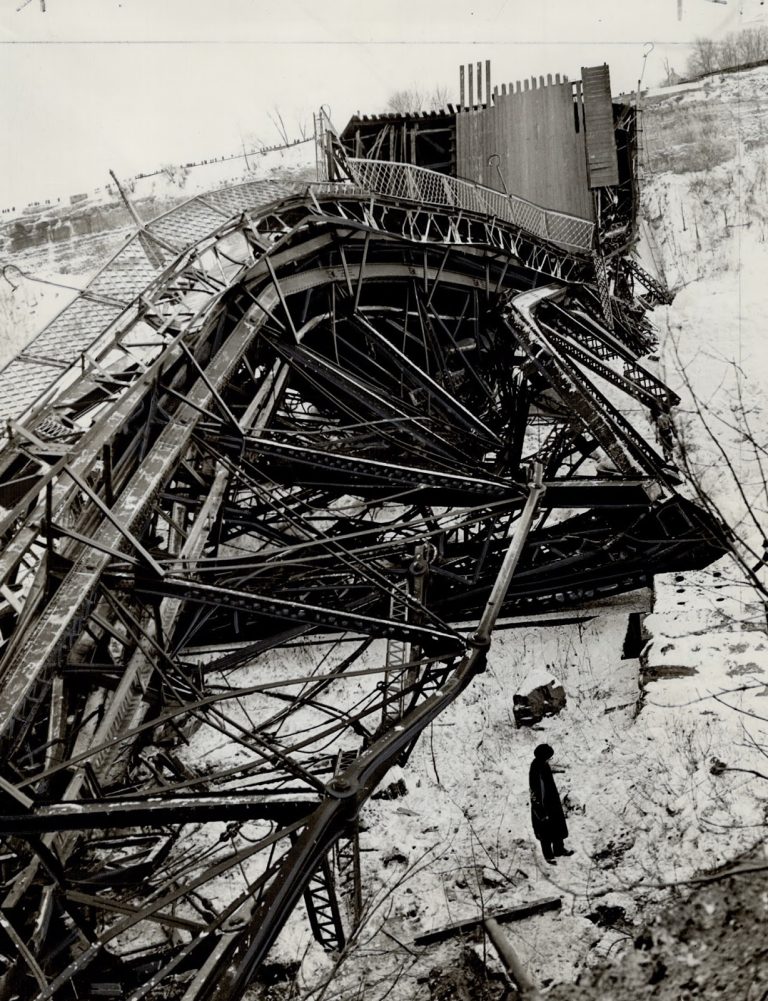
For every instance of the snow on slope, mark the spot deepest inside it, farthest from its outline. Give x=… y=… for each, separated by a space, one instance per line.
x=188 y=181
x=707 y=230
x=644 y=809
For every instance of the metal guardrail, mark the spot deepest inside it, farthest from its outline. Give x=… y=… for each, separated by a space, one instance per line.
x=26 y=378
x=418 y=184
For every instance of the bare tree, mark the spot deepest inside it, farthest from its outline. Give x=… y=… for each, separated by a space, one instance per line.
x=740 y=48
x=291 y=133
x=176 y=173
x=414 y=99
x=671 y=76
x=705 y=57
x=745 y=537
x=729 y=51
x=753 y=44
x=277 y=121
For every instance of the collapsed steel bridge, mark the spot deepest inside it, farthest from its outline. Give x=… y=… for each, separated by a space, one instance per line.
x=257 y=534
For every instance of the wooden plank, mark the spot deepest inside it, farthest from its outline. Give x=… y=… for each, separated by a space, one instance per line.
x=471 y=924
x=542 y=156
x=602 y=157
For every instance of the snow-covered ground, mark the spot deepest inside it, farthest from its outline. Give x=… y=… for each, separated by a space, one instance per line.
x=644 y=807
x=707 y=233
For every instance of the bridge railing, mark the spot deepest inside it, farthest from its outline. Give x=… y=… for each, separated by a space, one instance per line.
x=418 y=184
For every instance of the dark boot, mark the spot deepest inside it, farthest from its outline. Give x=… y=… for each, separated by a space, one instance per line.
x=548 y=851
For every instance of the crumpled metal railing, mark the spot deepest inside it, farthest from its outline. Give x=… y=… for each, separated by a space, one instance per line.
x=418 y=184
x=28 y=377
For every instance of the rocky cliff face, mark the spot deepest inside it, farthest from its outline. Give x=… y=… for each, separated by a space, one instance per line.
x=35 y=231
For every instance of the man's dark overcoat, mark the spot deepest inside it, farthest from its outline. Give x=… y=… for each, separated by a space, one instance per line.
x=547 y=814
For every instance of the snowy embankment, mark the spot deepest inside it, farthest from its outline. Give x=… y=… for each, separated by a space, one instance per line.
x=174 y=180
x=707 y=230
x=705 y=665
x=644 y=812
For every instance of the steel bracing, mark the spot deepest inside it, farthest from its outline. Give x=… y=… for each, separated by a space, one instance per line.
x=259 y=539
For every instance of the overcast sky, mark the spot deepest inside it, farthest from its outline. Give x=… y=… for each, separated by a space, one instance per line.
x=132 y=84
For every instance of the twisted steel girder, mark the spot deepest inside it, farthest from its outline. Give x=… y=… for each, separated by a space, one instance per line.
x=210 y=537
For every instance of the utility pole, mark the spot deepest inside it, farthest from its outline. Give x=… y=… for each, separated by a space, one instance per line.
x=127 y=202
x=149 y=242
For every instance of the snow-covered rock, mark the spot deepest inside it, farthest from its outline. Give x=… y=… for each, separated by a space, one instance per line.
x=540 y=695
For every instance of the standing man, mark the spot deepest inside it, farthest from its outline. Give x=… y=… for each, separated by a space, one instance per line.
x=547 y=814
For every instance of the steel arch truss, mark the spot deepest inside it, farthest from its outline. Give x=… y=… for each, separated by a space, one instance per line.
x=246 y=552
